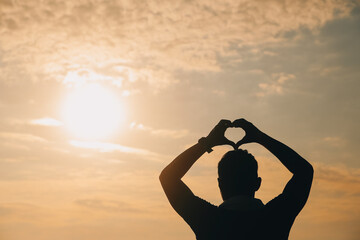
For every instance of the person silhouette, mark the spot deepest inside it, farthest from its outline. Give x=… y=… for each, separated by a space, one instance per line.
x=241 y=215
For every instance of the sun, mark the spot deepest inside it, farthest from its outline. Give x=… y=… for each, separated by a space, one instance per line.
x=92 y=112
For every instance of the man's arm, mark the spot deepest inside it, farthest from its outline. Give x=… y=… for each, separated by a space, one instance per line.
x=297 y=189
x=178 y=194
x=175 y=189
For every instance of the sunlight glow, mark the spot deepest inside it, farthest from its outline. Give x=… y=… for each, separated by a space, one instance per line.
x=92 y=112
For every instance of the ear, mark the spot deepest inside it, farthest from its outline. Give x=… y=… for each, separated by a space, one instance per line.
x=257 y=184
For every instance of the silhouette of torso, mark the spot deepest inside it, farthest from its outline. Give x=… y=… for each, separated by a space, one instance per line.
x=240 y=220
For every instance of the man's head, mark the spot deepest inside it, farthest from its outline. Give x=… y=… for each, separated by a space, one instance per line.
x=237 y=171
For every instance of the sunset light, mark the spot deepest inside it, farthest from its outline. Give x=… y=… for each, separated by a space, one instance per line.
x=92 y=112
x=98 y=97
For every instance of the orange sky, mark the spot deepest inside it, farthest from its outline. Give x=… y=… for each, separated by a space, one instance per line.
x=96 y=97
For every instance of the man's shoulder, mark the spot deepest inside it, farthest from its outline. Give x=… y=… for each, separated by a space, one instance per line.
x=199 y=208
x=280 y=209
x=281 y=201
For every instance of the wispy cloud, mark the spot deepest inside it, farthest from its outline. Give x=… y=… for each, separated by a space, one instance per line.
x=335 y=141
x=50 y=122
x=108 y=147
x=276 y=85
x=160 y=132
x=21 y=137
x=112 y=206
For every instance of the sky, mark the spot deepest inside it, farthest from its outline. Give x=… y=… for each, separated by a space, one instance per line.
x=97 y=97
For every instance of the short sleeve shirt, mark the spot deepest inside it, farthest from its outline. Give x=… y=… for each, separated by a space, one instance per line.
x=210 y=222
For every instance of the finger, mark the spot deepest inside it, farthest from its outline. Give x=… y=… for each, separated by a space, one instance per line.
x=237 y=145
x=228 y=142
x=239 y=122
x=241 y=142
x=231 y=143
x=225 y=123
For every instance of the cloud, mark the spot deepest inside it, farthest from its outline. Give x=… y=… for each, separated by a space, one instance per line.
x=50 y=122
x=167 y=133
x=111 y=206
x=82 y=76
x=108 y=147
x=276 y=86
x=338 y=174
x=135 y=41
x=335 y=141
x=23 y=137
x=219 y=93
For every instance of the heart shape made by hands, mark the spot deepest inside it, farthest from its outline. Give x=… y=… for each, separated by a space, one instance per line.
x=234 y=134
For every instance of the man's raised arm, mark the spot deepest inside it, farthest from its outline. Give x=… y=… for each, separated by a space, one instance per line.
x=178 y=194
x=298 y=188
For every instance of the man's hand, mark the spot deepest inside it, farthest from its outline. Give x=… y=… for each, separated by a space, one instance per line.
x=252 y=133
x=216 y=137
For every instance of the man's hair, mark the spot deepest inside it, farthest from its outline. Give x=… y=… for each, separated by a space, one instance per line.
x=237 y=165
